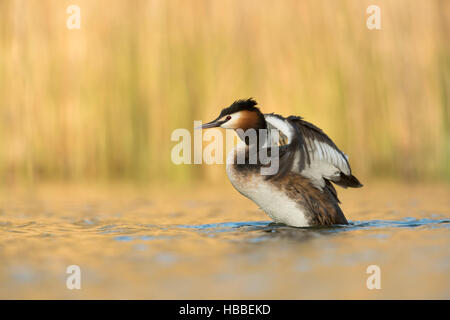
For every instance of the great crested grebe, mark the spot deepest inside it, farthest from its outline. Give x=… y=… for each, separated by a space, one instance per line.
x=301 y=192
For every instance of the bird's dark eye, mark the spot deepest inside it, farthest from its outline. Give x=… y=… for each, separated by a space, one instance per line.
x=228 y=118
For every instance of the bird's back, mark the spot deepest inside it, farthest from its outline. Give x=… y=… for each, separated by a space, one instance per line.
x=291 y=199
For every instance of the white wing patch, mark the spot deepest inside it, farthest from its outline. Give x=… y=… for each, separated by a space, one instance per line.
x=321 y=151
x=325 y=160
x=281 y=125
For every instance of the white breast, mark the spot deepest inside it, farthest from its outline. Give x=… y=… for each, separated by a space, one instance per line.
x=277 y=205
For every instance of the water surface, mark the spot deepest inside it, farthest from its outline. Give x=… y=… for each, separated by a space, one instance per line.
x=212 y=243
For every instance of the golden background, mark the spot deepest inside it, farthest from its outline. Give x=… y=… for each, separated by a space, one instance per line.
x=100 y=103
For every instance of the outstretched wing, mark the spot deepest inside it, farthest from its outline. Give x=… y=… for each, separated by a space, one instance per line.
x=309 y=151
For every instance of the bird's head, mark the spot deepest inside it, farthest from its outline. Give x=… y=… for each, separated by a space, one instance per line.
x=242 y=114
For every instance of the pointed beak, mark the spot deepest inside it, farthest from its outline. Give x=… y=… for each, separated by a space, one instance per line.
x=212 y=124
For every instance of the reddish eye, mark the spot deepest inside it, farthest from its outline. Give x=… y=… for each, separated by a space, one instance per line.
x=228 y=117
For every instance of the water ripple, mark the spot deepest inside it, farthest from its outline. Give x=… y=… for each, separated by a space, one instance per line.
x=408 y=222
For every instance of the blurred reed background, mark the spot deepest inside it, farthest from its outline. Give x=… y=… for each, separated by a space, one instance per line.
x=100 y=103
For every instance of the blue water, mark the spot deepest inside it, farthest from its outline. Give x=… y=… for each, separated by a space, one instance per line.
x=352 y=226
x=257 y=231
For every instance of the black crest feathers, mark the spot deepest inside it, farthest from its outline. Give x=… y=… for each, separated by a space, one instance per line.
x=239 y=105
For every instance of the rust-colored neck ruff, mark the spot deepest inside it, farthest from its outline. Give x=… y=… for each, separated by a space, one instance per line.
x=251 y=120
